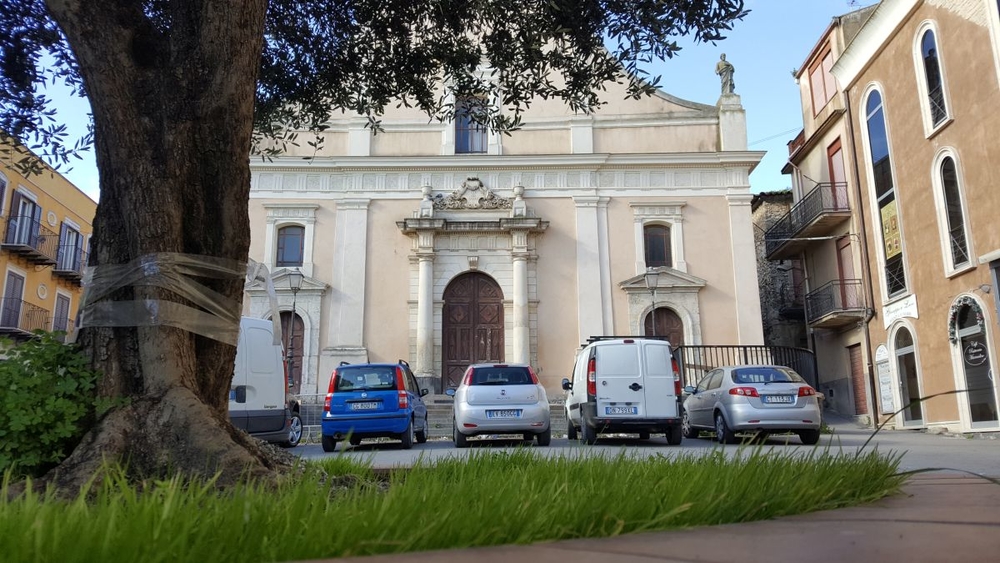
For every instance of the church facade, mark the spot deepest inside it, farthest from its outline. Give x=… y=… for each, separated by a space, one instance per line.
x=444 y=244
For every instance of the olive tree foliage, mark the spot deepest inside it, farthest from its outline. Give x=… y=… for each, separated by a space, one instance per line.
x=182 y=92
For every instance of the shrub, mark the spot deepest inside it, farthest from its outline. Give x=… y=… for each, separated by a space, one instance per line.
x=47 y=393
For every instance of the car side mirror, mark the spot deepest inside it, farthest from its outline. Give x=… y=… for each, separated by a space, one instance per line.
x=424 y=392
x=450 y=391
x=567 y=384
x=690 y=390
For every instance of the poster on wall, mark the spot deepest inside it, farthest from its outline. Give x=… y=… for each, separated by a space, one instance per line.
x=884 y=371
x=890 y=230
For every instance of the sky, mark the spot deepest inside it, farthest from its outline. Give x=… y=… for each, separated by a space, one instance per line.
x=765 y=47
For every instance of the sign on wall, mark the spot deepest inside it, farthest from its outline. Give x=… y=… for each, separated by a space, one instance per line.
x=899 y=309
x=890 y=230
x=883 y=370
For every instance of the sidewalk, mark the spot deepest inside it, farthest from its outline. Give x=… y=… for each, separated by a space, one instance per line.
x=937 y=518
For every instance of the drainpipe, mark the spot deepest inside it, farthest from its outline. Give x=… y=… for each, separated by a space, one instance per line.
x=866 y=282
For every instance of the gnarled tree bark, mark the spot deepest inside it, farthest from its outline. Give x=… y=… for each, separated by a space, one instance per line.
x=173 y=106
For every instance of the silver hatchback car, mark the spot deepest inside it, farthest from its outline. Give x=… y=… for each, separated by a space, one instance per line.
x=758 y=399
x=500 y=399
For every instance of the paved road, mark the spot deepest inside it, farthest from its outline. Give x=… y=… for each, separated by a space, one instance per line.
x=920 y=450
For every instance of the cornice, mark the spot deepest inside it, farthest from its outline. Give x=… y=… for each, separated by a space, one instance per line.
x=881 y=26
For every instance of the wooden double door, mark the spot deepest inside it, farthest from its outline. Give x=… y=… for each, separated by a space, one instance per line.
x=473 y=326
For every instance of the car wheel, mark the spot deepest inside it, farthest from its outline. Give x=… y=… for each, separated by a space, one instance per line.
x=686 y=429
x=329 y=444
x=421 y=435
x=461 y=440
x=674 y=435
x=571 y=434
x=809 y=437
x=545 y=438
x=407 y=436
x=355 y=440
x=588 y=434
x=294 y=432
x=722 y=432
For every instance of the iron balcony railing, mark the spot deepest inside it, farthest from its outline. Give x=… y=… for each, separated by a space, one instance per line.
x=828 y=197
x=63 y=327
x=18 y=316
x=25 y=235
x=838 y=296
x=70 y=262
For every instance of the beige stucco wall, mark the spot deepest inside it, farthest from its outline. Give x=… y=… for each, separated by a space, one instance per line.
x=387 y=327
x=690 y=138
x=406 y=143
x=971 y=82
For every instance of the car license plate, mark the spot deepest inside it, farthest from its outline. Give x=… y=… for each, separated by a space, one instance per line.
x=369 y=406
x=509 y=413
x=777 y=399
x=621 y=410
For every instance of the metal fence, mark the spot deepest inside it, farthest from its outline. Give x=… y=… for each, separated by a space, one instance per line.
x=696 y=361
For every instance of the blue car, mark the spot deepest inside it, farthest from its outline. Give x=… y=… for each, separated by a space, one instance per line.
x=374 y=401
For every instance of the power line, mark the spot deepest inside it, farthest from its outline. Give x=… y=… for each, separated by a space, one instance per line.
x=775 y=136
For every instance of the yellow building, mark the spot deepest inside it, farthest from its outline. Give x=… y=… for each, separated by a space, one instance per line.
x=45 y=228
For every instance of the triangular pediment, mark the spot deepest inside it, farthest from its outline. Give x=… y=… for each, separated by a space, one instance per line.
x=280 y=279
x=667 y=278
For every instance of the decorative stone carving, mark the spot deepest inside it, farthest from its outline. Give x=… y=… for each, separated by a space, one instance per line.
x=472 y=195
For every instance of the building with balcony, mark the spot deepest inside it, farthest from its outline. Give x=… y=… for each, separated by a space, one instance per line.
x=45 y=227
x=820 y=234
x=445 y=245
x=921 y=84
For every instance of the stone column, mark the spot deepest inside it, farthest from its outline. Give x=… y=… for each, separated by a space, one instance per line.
x=593 y=275
x=425 y=315
x=522 y=332
x=747 y=294
x=347 y=304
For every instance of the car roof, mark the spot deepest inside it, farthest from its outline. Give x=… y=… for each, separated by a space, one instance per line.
x=494 y=364
x=372 y=365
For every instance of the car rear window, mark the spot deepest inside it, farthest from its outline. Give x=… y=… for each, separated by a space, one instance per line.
x=765 y=375
x=366 y=378
x=501 y=376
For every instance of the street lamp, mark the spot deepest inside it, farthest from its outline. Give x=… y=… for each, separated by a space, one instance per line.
x=295 y=284
x=652 y=276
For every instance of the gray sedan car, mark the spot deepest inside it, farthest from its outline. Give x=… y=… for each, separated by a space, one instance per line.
x=752 y=399
x=500 y=399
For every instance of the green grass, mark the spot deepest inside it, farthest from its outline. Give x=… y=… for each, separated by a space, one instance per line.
x=492 y=498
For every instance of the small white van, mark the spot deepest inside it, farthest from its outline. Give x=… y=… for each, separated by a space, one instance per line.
x=258 y=401
x=624 y=385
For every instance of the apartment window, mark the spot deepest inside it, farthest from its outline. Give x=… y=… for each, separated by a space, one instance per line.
x=958 y=242
x=656 y=241
x=70 y=249
x=932 y=75
x=3 y=192
x=470 y=136
x=60 y=318
x=291 y=241
x=885 y=194
x=821 y=81
x=24 y=221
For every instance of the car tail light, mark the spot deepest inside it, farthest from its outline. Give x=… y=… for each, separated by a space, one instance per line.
x=534 y=378
x=329 y=391
x=592 y=377
x=807 y=392
x=404 y=399
x=677 y=376
x=744 y=391
x=468 y=377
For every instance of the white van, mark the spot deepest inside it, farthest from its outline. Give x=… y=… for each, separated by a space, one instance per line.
x=624 y=385
x=258 y=402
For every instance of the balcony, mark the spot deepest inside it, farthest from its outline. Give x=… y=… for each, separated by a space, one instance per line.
x=70 y=262
x=19 y=318
x=835 y=304
x=27 y=237
x=815 y=215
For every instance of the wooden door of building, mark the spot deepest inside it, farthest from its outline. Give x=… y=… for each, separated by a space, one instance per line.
x=473 y=329
x=667 y=323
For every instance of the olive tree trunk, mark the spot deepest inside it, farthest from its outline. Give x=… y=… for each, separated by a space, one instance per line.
x=173 y=109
